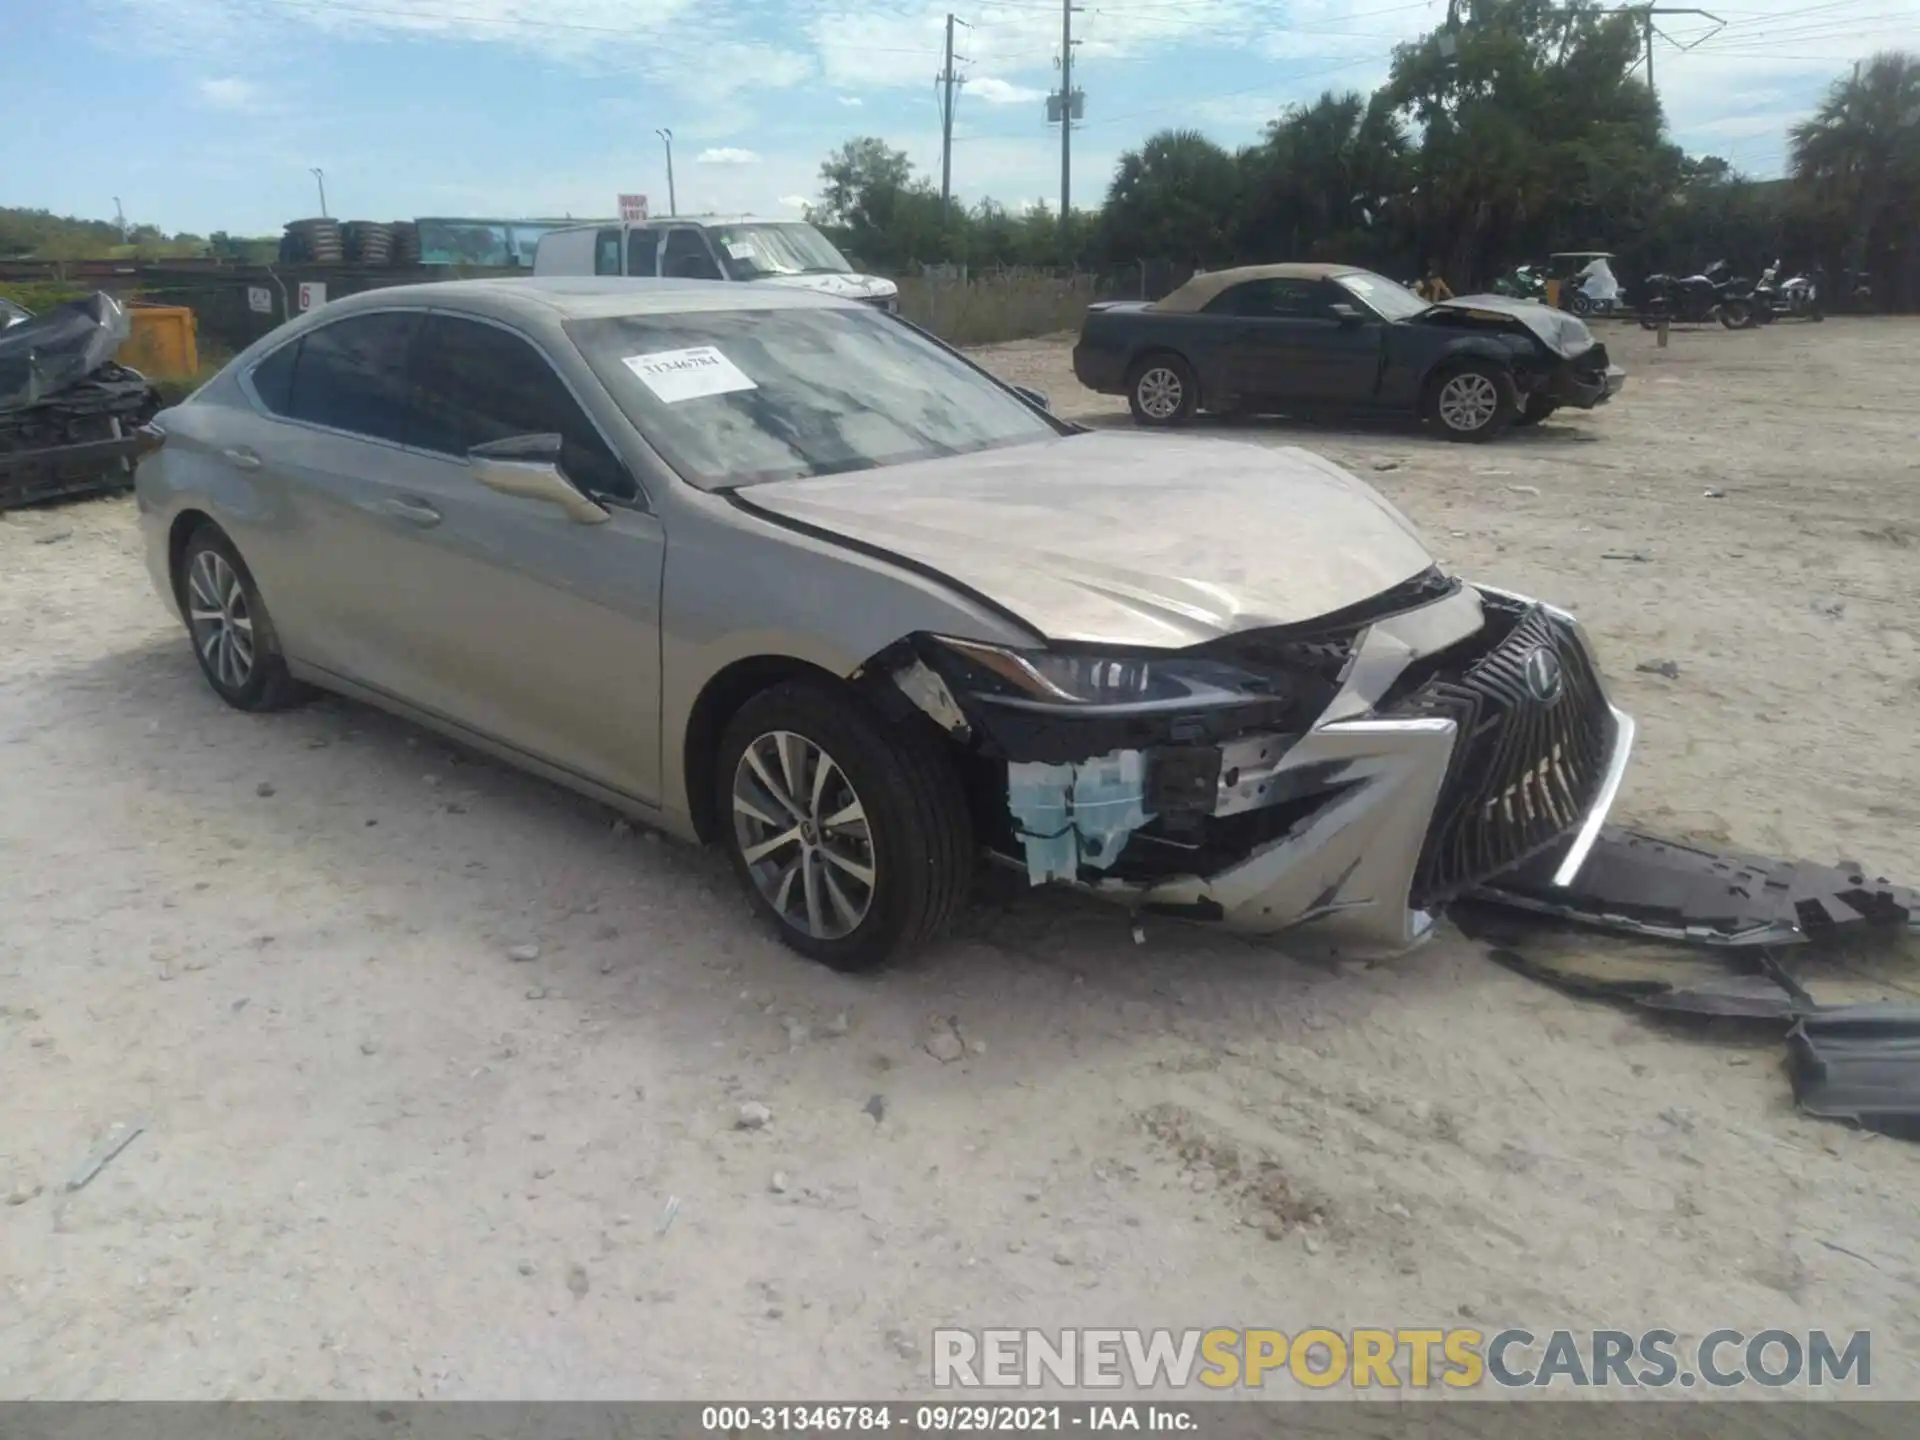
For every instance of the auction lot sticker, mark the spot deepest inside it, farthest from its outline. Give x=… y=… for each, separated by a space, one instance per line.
x=677 y=375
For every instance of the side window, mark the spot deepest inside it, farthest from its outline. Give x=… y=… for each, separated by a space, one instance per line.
x=273 y=378
x=606 y=253
x=476 y=383
x=1272 y=299
x=352 y=375
x=643 y=252
x=686 y=257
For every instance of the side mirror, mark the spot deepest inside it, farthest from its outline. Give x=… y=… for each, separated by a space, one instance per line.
x=528 y=466
x=1036 y=398
x=1345 y=313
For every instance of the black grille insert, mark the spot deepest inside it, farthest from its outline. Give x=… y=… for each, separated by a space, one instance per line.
x=1525 y=769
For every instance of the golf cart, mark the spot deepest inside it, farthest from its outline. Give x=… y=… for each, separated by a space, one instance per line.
x=1582 y=282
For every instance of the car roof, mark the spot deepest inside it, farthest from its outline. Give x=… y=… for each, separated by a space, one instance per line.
x=1201 y=288
x=577 y=297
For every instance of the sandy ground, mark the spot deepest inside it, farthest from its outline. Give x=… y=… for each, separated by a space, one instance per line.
x=383 y=1159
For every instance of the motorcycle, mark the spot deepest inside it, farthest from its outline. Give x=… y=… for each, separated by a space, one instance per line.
x=1522 y=283
x=1767 y=300
x=1713 y=294
x=1799 y=297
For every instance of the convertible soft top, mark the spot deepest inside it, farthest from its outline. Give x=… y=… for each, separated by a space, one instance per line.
x=1200 y=289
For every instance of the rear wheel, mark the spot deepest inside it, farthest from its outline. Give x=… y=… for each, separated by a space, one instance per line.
x=1736 y=315
x=1162 y=390
x=1472 y=401
x=233 y=636
x=852 y=836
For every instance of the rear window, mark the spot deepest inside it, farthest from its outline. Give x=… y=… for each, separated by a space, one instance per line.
x=738 y=396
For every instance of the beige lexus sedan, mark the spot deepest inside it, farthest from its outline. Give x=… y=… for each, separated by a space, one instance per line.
x=784 y=573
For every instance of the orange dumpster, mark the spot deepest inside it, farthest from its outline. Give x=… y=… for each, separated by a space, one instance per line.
x=163 y=345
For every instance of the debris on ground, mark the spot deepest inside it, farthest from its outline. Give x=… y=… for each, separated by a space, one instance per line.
x=1386 y=464
x=123 y=1134
x=1637 y=555
x=778 y=1183
x=577 y=1281
x=753 y=1116
x=666 y=1216
x=876 y=1106
x=1714 y=494
x=1666 y=668
x=523 y=954
x=1860 y=1063
x=942 y=1040
x=1524 y=489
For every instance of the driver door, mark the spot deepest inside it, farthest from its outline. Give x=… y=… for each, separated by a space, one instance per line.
x=1286 y=343
x=685 y=255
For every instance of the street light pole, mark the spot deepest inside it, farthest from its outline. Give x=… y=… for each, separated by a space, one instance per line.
x=666 y=138
x=320 y=178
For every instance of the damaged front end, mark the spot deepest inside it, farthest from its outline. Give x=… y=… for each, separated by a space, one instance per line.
x=1355 y=772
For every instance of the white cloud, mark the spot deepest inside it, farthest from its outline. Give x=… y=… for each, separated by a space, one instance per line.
x=795 y=202
x=1001 y=92
x=230 y=92
x=851 y=100
x=726 y=155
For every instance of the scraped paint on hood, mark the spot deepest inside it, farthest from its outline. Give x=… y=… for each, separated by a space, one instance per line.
x=1123 y=539
x=844 y=286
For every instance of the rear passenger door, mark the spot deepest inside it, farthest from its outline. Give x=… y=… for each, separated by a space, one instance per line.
x=509 y=617
x=340 y=402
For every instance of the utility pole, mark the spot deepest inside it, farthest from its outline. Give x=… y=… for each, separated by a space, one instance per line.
x=320 y=178
x=1067 y=42
x=666 y=138
x=946 y=80
x=1647 y=32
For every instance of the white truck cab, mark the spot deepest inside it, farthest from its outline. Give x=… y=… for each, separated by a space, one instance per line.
x=711 y=247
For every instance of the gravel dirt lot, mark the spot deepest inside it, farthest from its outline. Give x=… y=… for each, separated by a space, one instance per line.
x=383 y=1159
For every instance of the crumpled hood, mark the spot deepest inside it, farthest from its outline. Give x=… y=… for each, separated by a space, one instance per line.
x=1562 y=333
x=1161 y=541
x=849 y=286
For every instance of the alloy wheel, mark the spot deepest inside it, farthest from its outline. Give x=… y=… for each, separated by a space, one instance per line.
x=1469 y=402
x=803 y=833
x=1160 y=392
x=221 y=622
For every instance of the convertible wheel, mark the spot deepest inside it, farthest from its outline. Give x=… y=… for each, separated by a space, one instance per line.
x=851 y=835
x=233 y=636
x=1472 y=401
x=1163 y=391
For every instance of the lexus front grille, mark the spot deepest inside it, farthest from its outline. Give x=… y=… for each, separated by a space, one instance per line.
x=1534 y=727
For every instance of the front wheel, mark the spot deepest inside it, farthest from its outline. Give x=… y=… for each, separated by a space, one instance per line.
x=1472 y=401
x=1736 y=315
x=852 y=836
x=1163 y=391
x=1580 y=305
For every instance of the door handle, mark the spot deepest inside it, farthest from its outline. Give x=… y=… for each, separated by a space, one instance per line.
x=415 y=512
x=242 y=458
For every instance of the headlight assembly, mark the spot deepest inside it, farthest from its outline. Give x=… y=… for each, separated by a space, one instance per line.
x=1075 y=679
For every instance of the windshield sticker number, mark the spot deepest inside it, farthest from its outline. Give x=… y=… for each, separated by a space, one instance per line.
x=677 y=375
x=740 y=249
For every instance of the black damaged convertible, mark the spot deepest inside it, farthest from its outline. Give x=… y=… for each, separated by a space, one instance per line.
x=1331 y=337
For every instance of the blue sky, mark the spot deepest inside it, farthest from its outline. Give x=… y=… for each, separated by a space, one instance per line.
x=208 y=114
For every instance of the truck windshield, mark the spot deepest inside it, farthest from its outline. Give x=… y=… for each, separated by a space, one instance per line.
x=736 y=397
x=753 y=252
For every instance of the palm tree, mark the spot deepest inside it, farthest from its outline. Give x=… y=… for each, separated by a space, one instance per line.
x=1860 y=153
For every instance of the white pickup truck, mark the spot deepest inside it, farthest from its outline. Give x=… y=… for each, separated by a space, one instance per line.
x=708 y=247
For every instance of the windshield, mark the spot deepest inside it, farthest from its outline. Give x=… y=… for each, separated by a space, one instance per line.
x=736 y=397
x=755 y=251
x=1393 y=302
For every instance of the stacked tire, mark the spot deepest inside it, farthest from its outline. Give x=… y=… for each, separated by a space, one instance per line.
x=406 y=243
x=314 y=242
x=367 y=242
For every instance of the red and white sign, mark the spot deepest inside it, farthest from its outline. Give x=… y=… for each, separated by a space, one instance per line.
x=313 y=294
x=633 y=207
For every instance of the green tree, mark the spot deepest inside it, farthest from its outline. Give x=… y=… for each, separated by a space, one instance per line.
x=1858 y=160
x=1176 y=197
x=1323 y=182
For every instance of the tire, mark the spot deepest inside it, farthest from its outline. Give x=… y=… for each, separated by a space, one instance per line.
x=1736 y=315
x=913 y=837
x=1162 y=390
x=1472 y=389
x=1580 y=305
x=1534 y=409
x=227 y=622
